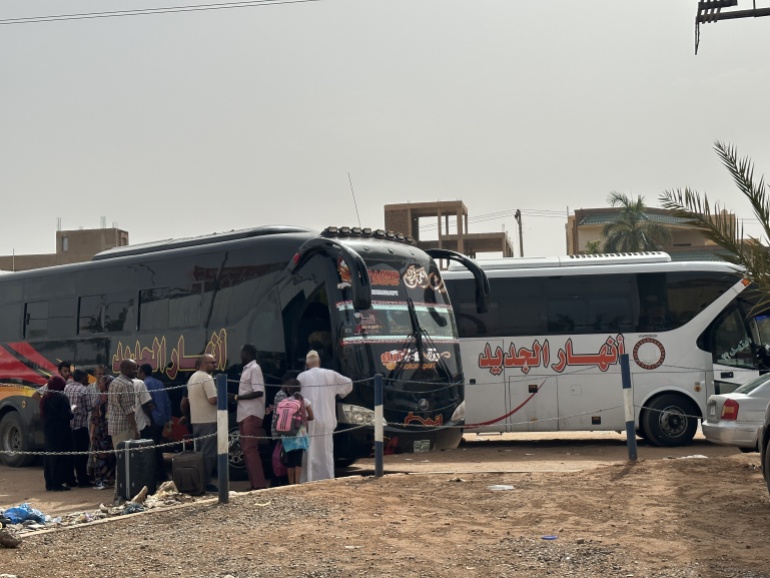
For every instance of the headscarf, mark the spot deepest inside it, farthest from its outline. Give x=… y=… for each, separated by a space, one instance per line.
x=54 y=386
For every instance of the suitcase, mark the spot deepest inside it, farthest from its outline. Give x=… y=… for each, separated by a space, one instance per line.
x=135 y=468
x=187 y=471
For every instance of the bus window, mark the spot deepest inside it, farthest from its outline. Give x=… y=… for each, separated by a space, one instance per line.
x=184 y=306
x=61 y=317
x=9 y=321
x=153 y=309
x=119 y=312
x=36 y=320
x=762 y=323
x=91 y=314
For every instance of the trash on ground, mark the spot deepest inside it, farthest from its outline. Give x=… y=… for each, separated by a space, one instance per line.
x=499 y=488
x=550 y=537
x=23 y=519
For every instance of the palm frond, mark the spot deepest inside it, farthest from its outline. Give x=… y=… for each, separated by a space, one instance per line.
x=742 y=171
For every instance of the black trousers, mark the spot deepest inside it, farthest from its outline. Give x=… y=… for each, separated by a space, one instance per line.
x=81 y=443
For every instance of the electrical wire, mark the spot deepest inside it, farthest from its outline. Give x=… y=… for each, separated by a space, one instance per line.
x=147 y=11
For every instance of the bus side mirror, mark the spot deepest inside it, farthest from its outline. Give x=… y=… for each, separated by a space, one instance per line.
x=479 y=276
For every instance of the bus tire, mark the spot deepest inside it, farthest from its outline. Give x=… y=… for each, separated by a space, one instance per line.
x=669 y=420
x=13 y=438
x=235 y=458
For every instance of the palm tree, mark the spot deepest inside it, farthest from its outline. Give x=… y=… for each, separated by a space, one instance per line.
x=720 y=227
x=632 y=231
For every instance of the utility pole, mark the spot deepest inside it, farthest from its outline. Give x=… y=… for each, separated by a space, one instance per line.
x=517 y=216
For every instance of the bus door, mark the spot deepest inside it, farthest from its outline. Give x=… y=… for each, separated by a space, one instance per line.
x=732 y=348
x=485 y=392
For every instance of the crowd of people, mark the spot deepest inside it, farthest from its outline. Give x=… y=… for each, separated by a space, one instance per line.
x=88 y=415
x=309 y=453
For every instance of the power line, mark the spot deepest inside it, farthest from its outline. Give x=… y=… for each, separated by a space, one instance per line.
x=146 y=11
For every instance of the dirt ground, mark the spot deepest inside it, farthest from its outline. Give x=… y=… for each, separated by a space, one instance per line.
x=670 y=514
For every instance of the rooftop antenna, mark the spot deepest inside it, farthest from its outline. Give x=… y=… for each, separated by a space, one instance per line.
x=355 y=204
x=58 y=223
x=103 y=222
x=711 y=11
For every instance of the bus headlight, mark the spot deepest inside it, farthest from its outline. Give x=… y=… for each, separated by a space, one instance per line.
x=459 y=413
x=357 y=415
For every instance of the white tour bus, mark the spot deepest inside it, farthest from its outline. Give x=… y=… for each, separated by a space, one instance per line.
x=546 y=354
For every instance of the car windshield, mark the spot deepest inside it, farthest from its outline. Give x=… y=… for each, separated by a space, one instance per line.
x=753 y=384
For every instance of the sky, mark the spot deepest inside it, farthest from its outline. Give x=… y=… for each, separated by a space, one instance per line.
x=174 y=125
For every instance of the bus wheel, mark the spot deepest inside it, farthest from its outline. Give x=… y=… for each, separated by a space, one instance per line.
x=669 y=420
x=12 y=439
x=235 y=455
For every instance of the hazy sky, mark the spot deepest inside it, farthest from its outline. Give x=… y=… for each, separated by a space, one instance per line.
x=182 y=124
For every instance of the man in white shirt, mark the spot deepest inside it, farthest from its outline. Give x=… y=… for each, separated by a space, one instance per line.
x=143 y=409
x=251 y=414
x=321 y=386
x=202 y=400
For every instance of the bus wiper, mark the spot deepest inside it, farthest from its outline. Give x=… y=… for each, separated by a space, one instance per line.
x=417 y=331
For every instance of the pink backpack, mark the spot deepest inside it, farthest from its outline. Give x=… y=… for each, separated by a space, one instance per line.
x=290 y=419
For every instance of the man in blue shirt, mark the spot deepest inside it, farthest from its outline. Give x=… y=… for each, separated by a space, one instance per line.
x=161 y=415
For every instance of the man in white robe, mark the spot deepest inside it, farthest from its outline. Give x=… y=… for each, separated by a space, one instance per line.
x=321 y=387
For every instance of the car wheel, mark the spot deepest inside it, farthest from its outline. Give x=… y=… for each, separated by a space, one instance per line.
x=13 y=439
x=669 y=420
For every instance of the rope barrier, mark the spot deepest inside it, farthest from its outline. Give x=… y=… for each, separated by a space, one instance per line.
x=415 y=426
x=185 y=441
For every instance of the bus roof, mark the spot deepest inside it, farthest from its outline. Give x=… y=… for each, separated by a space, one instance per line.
x=166 y=244
x=593 y=264
x=571 y=260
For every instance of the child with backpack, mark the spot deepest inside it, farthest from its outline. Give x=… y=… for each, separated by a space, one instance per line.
x=290 y=417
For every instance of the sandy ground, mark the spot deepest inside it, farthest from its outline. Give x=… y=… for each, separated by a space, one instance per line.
x=436 y=515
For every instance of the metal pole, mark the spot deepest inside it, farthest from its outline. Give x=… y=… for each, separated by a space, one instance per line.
x=378 y=425
x=628 y=405
x=223 y=467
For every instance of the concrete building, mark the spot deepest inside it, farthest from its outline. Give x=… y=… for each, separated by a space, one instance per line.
x=687 y=243
x=405 y=218
x=71 y=247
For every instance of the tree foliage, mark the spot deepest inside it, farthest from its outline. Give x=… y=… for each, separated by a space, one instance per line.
x=722 y=228
x=632 y=231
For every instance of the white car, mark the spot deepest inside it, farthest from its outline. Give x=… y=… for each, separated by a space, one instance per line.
x=734 y=419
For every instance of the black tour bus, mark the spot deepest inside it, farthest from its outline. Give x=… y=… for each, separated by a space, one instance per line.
x=369 y=301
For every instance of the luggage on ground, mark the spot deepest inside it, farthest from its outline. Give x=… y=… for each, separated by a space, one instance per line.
x=187 y=471
x=135 y=468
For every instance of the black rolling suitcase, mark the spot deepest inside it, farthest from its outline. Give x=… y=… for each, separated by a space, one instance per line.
x=187 y=471
x=135 y=468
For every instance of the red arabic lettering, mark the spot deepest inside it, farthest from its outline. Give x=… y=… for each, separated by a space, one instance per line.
x=384 y=278
x=539 y=355
x=411 y=418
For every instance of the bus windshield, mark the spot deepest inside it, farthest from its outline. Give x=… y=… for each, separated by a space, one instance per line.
x=390 y=321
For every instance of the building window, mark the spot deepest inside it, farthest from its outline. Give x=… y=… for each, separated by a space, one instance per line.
x=65 y=244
